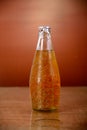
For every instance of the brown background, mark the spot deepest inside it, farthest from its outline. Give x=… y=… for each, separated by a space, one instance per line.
x=19 y=21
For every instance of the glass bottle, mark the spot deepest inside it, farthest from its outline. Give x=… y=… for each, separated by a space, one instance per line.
x=44 y=77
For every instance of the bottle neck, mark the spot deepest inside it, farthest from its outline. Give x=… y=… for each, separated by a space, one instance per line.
x=44 y=40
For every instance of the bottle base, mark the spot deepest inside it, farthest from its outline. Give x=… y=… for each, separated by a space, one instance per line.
x=45 y=109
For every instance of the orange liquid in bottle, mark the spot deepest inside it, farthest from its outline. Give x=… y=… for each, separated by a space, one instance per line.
x=45 y=81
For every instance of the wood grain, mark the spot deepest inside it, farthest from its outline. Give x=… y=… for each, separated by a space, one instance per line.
x=16 y=112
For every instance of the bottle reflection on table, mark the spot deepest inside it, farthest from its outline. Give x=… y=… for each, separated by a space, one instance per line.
x=44 y=120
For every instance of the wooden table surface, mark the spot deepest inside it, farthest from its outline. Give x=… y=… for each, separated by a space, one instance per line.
x=16 y=112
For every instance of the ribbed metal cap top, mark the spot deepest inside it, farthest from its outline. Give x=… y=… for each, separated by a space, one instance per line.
x=44 y=28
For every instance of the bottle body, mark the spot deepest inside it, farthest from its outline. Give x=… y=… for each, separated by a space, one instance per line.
x=45 y=80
